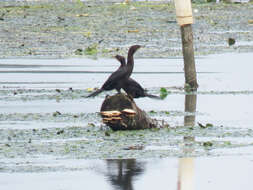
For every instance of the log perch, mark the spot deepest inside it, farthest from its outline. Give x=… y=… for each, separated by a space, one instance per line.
x=120 y=112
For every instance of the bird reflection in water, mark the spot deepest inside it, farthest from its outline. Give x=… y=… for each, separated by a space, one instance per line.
x=122 y=173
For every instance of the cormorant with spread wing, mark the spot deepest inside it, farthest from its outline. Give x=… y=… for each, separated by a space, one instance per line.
x=117 y=78
x=132 y=87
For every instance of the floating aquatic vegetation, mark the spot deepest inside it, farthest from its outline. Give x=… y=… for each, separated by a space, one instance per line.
x=231 y=41
x=205 y=126
x=163 y=93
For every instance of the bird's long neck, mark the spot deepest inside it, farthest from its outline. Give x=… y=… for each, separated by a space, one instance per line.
x=122 y=62
x=130 y=62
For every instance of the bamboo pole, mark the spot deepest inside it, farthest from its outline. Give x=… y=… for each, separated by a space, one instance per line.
x=185 y=19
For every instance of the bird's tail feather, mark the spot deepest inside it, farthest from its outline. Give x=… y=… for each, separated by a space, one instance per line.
x=153 y=96
x=95 y=93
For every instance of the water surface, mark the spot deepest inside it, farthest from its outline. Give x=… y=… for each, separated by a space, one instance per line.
x=42 y=149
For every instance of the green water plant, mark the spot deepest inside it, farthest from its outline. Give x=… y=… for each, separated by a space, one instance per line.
x=163 y=93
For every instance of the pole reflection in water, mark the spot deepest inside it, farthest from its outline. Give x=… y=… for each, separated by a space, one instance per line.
x=190 y=107
x=185 y=174
x=186 y=165
x=122 y=173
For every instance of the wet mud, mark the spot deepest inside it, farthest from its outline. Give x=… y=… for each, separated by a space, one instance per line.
x=94 y=29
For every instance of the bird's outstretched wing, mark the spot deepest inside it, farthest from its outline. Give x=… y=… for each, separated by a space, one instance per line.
x=114 y=78
x=95 y=93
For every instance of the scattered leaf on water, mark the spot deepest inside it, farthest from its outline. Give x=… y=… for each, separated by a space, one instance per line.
x=209 y=1
x=79 y=3
x=139 y=19
x=82 y=15
x=90 y=89
x=209 y=125
x=208 y=144
x=87 y=34
x=163 y=93
x=91 y=125
x=60 y=18
x=171 y=21
x=250 y=21
x=133 y=31
x=58 y=90
x=60 y=132
x=107 y=134
x=132 y=8
x=136 y=147
x=189 y=138
x=231 y=41
x=205 y=126
x=91 y=50
x=56 y=113
x=7 y=145
x=153 y=129
x=227 y=143
x=201 y=125
x=79 y=51
x=106 y=50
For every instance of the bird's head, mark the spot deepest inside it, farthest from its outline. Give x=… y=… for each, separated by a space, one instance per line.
x=121 y=59
x=133 y=49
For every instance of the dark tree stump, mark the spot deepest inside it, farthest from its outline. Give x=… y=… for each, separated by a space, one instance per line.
x=125 y=120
